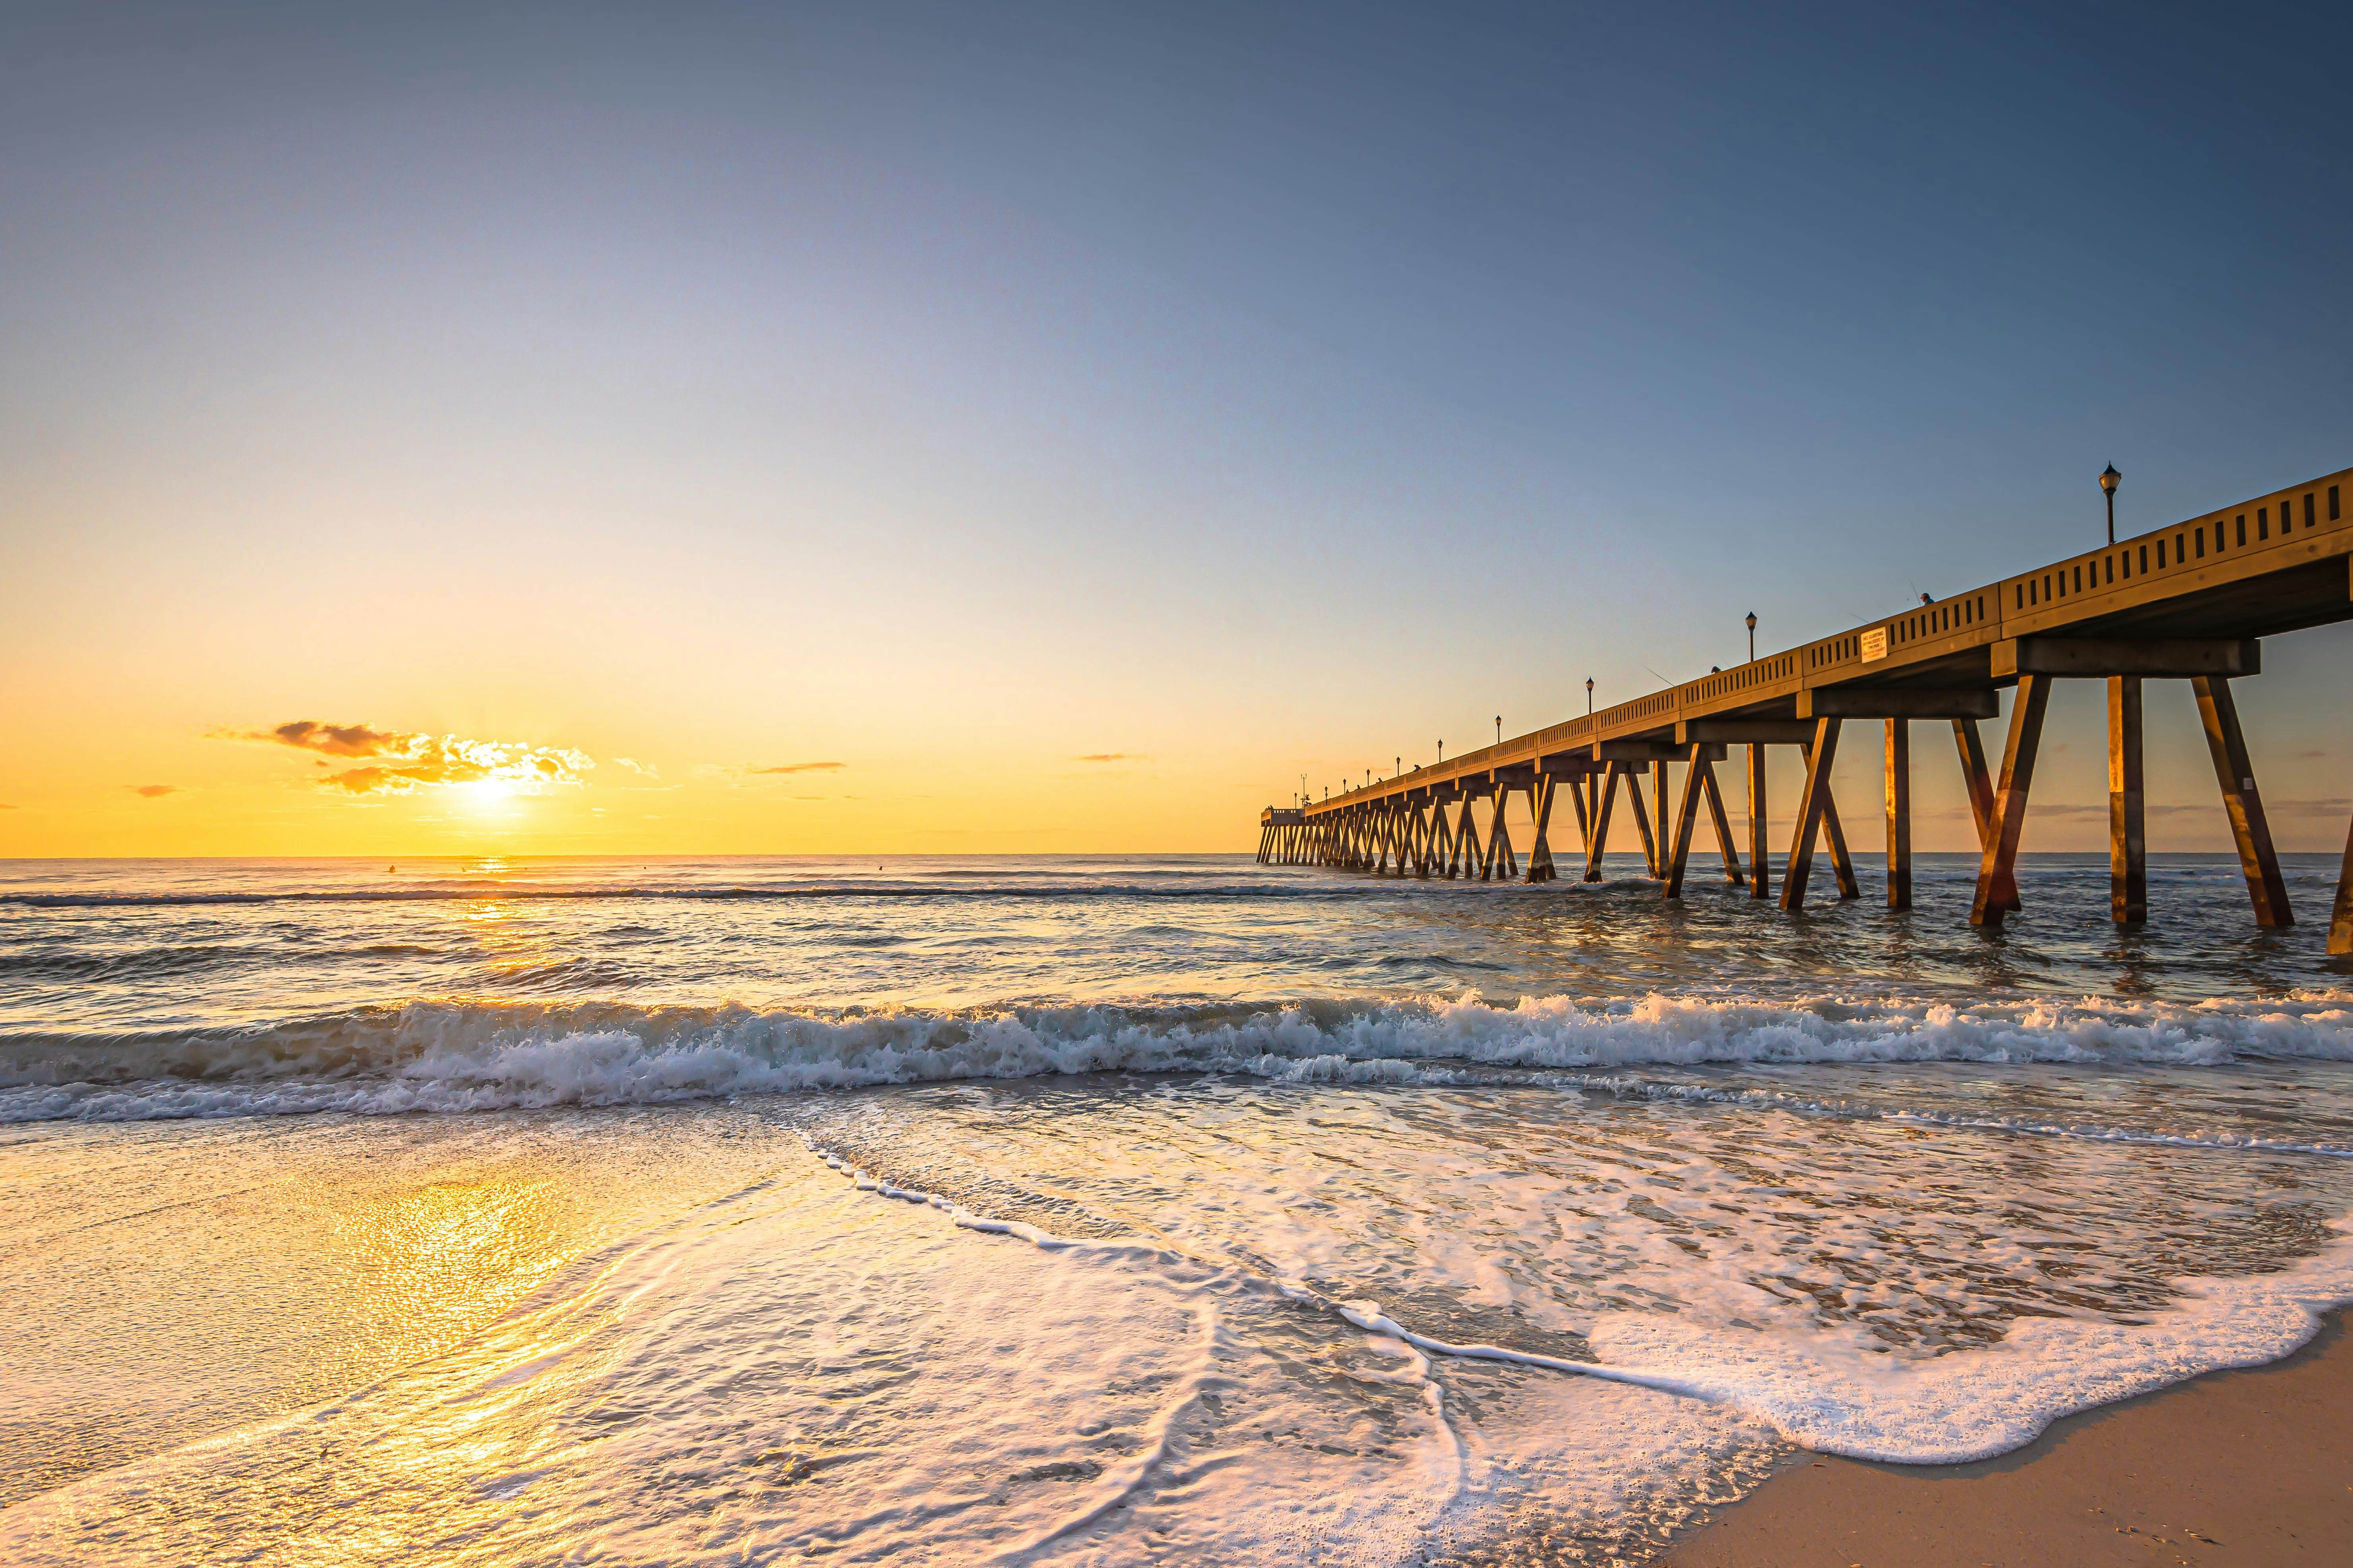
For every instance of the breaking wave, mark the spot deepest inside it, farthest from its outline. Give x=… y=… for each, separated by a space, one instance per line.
x=470 y=1056
x=508 y=892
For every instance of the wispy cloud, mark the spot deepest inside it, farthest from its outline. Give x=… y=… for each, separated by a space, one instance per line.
x=152 y=792
x=411 y=760
x=334 y=740
x=2099 y=810
x=799 y=768
x=634 y=766
x=1111 y=757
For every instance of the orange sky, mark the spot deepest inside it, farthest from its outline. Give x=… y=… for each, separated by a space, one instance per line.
x=165 y=776
x=1075 y=438
x=985 y=680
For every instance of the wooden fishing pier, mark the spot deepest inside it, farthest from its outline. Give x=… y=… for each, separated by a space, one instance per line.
x=2190 y=602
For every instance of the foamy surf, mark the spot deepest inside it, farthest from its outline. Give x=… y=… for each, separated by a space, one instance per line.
x=1197 y=1215
x=1948 y=1409
x=448 y=1057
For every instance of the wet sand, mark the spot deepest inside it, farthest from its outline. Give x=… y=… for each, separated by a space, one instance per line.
x=2235 y=1467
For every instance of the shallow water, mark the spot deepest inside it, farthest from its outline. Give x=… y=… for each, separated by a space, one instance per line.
x=1171 y=1209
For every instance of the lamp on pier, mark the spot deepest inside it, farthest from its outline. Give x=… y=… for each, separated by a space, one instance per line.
x=1752 y=637
x=1589 y=696
x=1442 y=753
x=1499 y=728
x=2108 y=481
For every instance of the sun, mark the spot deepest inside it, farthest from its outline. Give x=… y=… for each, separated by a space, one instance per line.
x=489 y=793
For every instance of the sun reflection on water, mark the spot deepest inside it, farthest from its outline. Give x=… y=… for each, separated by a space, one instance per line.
x=430 y=1263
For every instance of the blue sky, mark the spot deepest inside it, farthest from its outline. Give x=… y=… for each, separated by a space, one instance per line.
x=1242 y=391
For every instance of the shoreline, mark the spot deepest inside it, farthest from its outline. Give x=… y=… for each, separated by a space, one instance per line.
x=2248 y=1466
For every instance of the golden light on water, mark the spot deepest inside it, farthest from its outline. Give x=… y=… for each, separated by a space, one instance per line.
x=433 y=1261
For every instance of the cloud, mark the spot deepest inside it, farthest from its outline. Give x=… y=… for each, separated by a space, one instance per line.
x=152 y=792
x=2099 y=810
x=800 y=768
x=1111 y=757
x=336 y=740
x=411 y=760
x=5 y=807
x=634 y=766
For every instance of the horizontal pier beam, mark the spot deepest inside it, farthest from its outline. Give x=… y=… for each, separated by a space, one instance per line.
x=2183 y=659
x=1653 y=752
x=1899 y=703
x=1746 y=732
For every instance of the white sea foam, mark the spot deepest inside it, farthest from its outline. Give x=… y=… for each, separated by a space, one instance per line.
x=451 y=1057
x=787 y=1375
x=1827 y=1395
x=1290 y=1339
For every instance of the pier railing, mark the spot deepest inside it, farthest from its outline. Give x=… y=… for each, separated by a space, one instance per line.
x=2189 y=602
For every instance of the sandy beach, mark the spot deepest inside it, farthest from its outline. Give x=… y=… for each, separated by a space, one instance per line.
x=2240 y=1467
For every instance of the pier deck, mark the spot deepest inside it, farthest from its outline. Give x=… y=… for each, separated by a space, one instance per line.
x=2189 y=602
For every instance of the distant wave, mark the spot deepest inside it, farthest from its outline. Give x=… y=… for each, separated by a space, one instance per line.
x=468 y=1056
x=67 y=965
x=1073 y=888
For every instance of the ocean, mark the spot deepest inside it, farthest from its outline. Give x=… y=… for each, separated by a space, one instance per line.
x=1107 y=1210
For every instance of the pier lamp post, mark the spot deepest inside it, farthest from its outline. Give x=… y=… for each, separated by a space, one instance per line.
x=1588 y=697
x=1442 y=753
x=2108 y=478
x=1396 y=768
x=1752 y=637
x=1499 y=728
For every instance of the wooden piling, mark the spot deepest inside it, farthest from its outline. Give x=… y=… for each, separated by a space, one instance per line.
x=1686 y=819
x=1503 y=862
x=1760 y=864
x=1834 y=840
x=1641 y=817
x=1974 y=778
x=2128 y=829
x=1657 y=837
x=1979 y=785
x=1598 y=844
x=1997 y=866
x=1899 y=813
x=1579 y=784
x=2340 y=922
x=1812 y=810
x=1540 y=791
x=2236 y=773
x=1725 y=843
